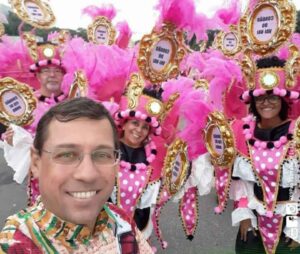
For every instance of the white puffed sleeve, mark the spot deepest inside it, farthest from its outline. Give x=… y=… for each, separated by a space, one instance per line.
x=242 y=190
x=18 y=155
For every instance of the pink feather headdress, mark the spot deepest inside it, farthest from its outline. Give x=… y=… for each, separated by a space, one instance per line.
x=97 y=61
x=183 y=15
x=94 y=11
x=124 y=35
x=192 y=109
x=229 y=16
x=15 y=61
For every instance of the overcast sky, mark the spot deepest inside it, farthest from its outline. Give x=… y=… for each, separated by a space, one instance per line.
x=138 y=13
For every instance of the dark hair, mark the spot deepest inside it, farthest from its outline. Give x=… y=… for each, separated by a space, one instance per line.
x=42 y=43
x=268 y=62
x=153 y=92
x=70 y=110
x=283 y=114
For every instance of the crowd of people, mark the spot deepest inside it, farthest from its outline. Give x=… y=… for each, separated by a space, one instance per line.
x=101 y=162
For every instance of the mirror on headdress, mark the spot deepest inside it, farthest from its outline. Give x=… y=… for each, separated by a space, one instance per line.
x=267 y=26
x=101 y=31
x=160 y=54
x=219 y=140
x=17 y=102
x=176 y=166
x=34 y=12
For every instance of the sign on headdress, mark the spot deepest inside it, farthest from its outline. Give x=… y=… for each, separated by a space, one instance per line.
x=101 y=31
x=266 y=26
x=160 y=54
x=17 y=102
x=34 y=12
x=229 y=42
x=219 y=140
x=176 y=167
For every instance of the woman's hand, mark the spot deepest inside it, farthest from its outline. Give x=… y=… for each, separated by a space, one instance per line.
x=293 y=244
x=8 y=136
x=244 y=227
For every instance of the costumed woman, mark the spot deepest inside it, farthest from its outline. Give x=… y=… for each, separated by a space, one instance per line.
x=265 y=185
x=139 y=178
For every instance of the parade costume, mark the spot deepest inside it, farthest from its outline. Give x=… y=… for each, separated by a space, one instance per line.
x=266 y=169
x=138 y=178
x=40 y=231
x=32 y=57
x=105 y=15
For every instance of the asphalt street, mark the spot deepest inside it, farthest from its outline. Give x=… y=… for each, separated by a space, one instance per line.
x=214 y=232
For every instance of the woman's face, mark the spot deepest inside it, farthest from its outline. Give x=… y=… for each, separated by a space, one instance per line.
x=135 y=132
x=268 y=106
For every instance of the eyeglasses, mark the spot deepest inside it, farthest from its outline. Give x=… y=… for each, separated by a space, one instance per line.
x=73 y=157
x=51 y=70
x=273 y=99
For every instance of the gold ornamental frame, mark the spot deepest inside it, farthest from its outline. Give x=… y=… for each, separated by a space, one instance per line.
x=286 y=18
x=80 y=85
x=26 y=93
x=147 y=44
x=296 y=140
x=220 y=41
x=20 y=9
x=105 y=22
x=292 y=67
x=177 y=148
x=201 y=84
x=217 y=120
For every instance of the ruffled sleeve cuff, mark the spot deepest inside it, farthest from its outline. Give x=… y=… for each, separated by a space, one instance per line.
x=242 y=168
x=149 y=196
x=241 y=214
x=240 y=189
x=293 y=232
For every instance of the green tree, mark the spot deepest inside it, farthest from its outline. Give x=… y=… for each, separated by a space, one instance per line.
x=297 y=30
x=14 y=22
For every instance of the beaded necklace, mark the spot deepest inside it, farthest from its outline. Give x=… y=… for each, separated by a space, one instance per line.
x=151 y=152
x=249 y=130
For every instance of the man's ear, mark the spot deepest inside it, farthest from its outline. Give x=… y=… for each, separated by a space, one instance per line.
x=35 y=162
